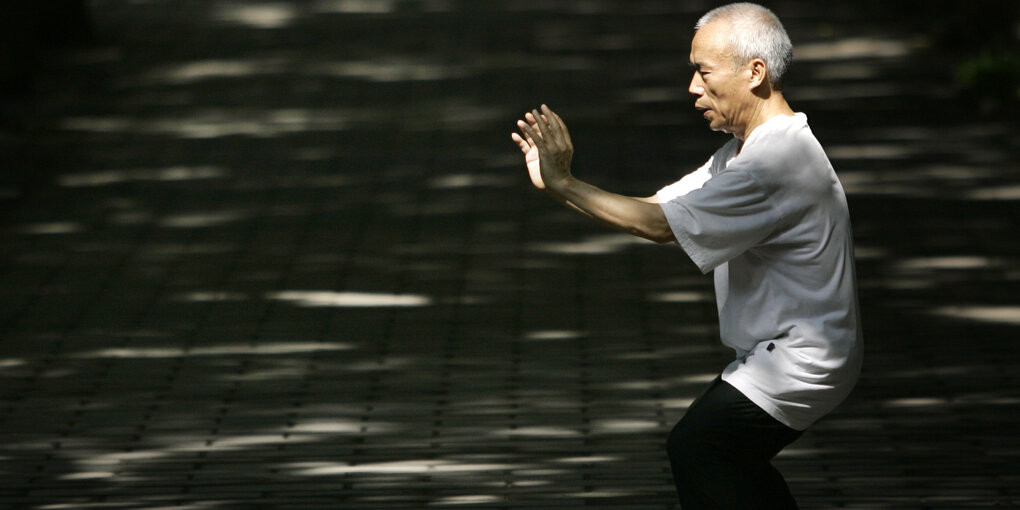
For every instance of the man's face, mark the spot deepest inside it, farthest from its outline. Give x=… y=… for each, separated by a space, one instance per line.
x=722 y=88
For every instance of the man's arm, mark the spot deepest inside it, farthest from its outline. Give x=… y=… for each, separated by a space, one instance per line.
x=548 y=151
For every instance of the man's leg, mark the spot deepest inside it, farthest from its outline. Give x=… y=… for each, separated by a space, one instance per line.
x=721 y=452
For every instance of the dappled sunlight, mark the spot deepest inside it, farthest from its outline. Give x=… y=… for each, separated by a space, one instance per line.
x=358 y=6
x=989 y=313
x=286 y=256
x=257 y=349
x=51 y=228
x=212 y=297
x=203 y=219
x=948 y=262
x=198 y=70
x=389 y=70
x=206 y=124
x=538 y=431
x=323 y=298
x=172 y=174
x=406 y=467
x=994 y=193
x=552 y=335
x=617 y=426
x=853 y=48
x=682 y=297
x=255 y=15
x=462 y=181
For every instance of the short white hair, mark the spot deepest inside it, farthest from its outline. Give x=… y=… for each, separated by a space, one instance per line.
x=756 y=33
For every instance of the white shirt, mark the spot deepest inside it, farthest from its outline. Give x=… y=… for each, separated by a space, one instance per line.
x=772 y=221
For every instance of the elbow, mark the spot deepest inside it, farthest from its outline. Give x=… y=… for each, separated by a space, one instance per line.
x=663 y=237
x=660 y=234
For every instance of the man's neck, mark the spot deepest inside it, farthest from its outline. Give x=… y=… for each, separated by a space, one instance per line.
x=764 y=110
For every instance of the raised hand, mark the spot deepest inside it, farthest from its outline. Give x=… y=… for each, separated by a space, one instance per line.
x=546 y=145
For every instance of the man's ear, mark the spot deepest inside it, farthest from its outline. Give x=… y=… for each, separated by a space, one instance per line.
x=759 y=73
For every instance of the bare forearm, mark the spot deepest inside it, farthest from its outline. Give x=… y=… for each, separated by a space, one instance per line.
x=637 y=216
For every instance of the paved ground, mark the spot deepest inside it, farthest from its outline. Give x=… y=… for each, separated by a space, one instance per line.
x=284 y=255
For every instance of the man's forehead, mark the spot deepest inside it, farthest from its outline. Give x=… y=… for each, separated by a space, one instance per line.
x=710 y=43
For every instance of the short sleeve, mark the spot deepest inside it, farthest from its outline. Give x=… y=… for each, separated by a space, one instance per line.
x=720 y=220
x=689 y=183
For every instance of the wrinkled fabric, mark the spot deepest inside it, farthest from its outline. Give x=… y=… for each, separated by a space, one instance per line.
x=770 y=219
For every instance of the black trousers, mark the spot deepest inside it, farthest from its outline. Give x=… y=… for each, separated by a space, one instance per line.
x=721 y=453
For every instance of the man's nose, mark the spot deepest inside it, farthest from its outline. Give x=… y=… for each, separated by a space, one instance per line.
x=696 y=86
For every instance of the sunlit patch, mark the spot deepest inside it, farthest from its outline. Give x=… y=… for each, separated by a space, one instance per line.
x=179 y=173
x=216 y=123
x=231 y=443
x=11 y=363
x=624 y=426
x=458 y=181
x=595 y=245
x=657 y=95
x=994 y=193
x=331 y=427
x=847 y=71
x=115 y=458
x=202 y=220
x=211 y=69
x=408 y=467
x=553 y=335
x=56 y=227
x=957 y=262
x=211 y=296
x=851 y=48
x=682 y=297
x=88 y=475
x=388 y=70
x=995 y=314
x=537 y=432
x=870 y=253
x=219 y=350
x=591 y=459
x=916 y=402
x=596 y=494
x=869 y=151
x=356 y=6
x=468 y=500
x=322 y=298
x=266 y=16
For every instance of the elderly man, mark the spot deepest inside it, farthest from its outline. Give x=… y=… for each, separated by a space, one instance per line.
x=767 y=214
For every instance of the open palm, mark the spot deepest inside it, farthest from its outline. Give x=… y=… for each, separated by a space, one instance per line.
x=531 y=158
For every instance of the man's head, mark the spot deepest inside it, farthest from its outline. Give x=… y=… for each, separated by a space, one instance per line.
x=739 y=54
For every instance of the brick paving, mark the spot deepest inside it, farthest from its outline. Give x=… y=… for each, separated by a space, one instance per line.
x=284 y=255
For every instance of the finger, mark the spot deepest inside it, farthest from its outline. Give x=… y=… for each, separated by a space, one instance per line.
x=521 y=142
x=529 y=137
x=524 y=142
x=533 y=135
x=543 y=124
x=554 y=119
x=552 y=133
x=532 y=120
x=562 y=127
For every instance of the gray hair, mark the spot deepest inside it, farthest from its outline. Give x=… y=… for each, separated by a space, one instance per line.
x=757 y=33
